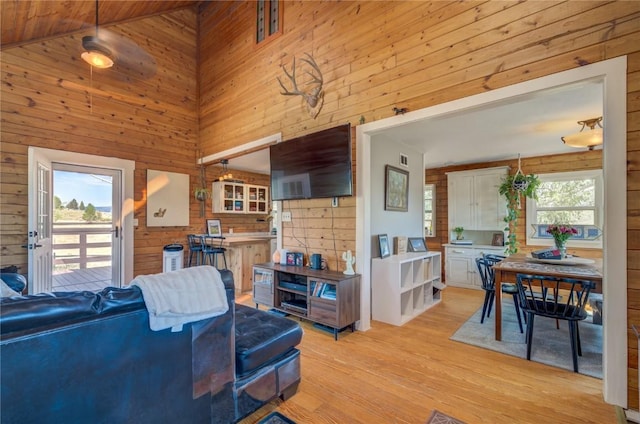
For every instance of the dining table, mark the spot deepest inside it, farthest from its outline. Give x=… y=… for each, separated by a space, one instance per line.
x=506 y=271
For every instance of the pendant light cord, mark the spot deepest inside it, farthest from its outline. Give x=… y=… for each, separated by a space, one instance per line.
x=91 y=90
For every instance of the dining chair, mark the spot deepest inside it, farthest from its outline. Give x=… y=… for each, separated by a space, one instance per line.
x=195 y=248
x=570 y=307
x=487 y=275
x=511 y=288
x=211 y=248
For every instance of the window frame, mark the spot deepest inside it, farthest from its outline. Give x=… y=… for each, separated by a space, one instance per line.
x=433 y=210
x=532 y=209
x=267 y=18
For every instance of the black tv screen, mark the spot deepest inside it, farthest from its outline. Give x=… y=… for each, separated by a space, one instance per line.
x=312 y=166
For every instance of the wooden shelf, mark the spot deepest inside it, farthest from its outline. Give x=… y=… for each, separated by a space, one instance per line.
x=330 y=298
x=403 y=286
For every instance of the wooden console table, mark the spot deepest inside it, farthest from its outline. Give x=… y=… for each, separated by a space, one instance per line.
x=329 y=298
x=507 y=270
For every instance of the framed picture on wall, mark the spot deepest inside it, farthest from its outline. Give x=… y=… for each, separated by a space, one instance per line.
x=396 y=189
x=383 y=241
x=214 y=228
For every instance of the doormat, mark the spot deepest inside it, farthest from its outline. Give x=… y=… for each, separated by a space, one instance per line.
x=438 y=417
x=276 y=418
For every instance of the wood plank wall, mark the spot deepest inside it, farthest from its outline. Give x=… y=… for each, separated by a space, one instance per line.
x=377 y=55
x=51 y=100
x=47 y=91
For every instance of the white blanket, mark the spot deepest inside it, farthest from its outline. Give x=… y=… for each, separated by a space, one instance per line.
x=179 y=297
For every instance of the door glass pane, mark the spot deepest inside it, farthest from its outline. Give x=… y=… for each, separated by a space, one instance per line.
x=43 y=229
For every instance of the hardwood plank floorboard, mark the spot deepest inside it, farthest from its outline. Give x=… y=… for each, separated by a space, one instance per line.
x=400 y=374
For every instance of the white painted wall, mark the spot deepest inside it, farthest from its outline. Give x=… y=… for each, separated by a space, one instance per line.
x=395 y=223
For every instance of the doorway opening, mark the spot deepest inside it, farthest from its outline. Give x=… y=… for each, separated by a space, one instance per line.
x=85 y=228
x=60 y=185
x=612 y=73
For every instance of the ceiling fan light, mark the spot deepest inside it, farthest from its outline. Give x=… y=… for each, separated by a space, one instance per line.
x=97 y=59
x=96 y=53
x=589 y=137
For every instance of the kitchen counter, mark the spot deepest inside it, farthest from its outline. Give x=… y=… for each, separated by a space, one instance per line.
x=241 y=238
x=243 y=251
x=484 y=246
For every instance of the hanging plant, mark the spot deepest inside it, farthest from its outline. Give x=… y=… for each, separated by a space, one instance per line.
x=201 y=193
x=514 y=188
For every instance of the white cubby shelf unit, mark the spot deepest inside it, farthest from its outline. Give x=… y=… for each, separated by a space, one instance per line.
x=406 y=285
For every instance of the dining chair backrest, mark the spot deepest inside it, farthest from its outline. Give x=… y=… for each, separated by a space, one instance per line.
x=493 y=257
x=195 y=241
x=569 y=306
x=212 y=243
x=487 y=274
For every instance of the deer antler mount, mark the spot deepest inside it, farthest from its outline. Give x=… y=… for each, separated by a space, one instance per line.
x=315 y=95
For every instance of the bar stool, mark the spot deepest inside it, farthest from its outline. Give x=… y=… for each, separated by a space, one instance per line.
x=195 y=248
x=211 y=248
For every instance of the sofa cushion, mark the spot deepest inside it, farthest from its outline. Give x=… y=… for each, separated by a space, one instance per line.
x=33 y=312
x=261 y=338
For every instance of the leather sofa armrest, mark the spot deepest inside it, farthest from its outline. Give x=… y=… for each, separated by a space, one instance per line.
x=17 y=282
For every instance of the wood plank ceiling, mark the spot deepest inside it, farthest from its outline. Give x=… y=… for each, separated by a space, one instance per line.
x=30 y=21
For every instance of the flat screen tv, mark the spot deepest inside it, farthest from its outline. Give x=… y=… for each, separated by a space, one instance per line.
x=312 y=166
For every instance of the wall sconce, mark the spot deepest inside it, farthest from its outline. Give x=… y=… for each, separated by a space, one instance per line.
x=590 y=138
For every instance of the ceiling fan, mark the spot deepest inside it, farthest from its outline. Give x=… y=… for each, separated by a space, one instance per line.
x=106 y=49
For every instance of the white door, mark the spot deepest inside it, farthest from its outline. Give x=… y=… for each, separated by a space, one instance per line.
x=39 y=223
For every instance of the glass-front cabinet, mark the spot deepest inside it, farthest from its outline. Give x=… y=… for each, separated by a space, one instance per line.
x=257 y=199
x=231 y=197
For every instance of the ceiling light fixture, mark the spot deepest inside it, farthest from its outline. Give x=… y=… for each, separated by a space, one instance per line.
x=96 y=54
x=589 y=138
x=225 y=176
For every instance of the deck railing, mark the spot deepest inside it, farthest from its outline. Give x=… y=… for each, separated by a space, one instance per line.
x=75 y=245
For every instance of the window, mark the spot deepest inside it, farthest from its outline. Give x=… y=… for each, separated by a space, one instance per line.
x=429 y=210
x=570 y=198
x=268 y=19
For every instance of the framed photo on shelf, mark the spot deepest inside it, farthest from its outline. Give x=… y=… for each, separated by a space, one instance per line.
x=383 y=241
x=396 y=189
x=416 y=244
x=498 y=239
x=214 y=228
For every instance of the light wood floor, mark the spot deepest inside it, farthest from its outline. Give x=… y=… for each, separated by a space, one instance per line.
x=400 y=374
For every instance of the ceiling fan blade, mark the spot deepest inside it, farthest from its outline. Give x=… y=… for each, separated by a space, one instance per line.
x=130 y=58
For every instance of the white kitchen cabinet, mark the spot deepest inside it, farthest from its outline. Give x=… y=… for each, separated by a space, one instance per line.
x=460 y=264
x=230 y=197
x=473 y=199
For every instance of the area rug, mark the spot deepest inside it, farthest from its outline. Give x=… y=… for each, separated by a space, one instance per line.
x=276 y=418
x=551 y=346
x=438 y=417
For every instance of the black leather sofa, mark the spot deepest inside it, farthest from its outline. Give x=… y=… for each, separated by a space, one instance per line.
x=83 y=357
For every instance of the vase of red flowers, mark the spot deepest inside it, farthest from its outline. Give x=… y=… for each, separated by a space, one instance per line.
x=560 y=234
